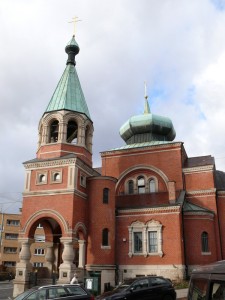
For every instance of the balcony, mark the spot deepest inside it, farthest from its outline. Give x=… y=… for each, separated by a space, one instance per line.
x=142 y=200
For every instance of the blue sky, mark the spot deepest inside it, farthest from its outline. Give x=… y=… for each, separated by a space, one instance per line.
x=176 y=46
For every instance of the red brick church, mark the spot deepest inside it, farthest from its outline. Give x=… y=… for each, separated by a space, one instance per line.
x=149 y=209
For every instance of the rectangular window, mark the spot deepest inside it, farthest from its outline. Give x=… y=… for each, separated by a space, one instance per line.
x=106 y=195
x=10 y=249
x=152 y=242
x=39 y=251
x=9 y=263
x=11 y=236
x=13 y=222
x=137 y=242
x=38 y=264
x=83 y=180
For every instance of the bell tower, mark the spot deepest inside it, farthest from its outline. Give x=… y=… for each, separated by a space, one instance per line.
x=55 y=192
x=66 y=125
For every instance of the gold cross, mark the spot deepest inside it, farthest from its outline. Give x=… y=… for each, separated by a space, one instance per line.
x=74 y=21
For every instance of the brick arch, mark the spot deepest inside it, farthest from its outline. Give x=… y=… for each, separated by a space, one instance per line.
x=80 y=229
x=28 y=228
x=160 y=173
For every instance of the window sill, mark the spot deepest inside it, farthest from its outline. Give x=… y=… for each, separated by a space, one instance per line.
x=206 y=253
x=105 y=247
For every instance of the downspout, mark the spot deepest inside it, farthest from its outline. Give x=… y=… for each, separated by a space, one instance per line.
x=218 y=220
x=182 y=213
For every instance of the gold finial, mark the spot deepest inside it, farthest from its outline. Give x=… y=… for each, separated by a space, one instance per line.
x=74 y=21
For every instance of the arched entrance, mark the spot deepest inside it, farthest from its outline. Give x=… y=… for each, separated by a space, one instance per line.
x=59 y=244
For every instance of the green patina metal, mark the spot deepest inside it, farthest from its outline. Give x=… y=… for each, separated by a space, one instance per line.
x=190 y=207
x=147 y=127
x=68 y=94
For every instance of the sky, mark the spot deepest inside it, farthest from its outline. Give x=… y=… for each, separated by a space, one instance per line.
x=176 y=46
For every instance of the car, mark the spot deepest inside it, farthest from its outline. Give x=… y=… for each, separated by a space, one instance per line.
x=208 y=281
x=63 y=291
x=142 y=288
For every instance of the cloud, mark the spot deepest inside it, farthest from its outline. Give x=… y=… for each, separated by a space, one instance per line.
x=176 y=46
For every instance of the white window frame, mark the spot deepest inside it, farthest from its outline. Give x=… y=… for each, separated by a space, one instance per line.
x=39 y=176
x=38 y=264
x=54 y=173
x=145 y=228
x=83 y=180
x=39 y=251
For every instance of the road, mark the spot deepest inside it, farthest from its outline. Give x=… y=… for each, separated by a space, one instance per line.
x=6 y=290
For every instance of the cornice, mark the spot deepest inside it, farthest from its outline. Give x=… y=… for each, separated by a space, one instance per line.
x=199 y=169
x=61 y=162
x=201 y=192
x=54 y=192
x=50 y=163
x=151 y=210
x=142 y=148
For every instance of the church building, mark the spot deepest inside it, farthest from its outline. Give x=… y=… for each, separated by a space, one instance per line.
x=148 y=209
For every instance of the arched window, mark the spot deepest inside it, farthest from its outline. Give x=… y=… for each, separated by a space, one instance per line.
x=152 y=186
x=105 y=195
x=130 y=187
x=56 y=177
x=205 y=242
x=42 y=178
x=141 y=185
x=72 y=130
x=105 y=237
x=54 y=131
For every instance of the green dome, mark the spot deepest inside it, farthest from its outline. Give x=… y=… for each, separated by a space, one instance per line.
x=146 y=128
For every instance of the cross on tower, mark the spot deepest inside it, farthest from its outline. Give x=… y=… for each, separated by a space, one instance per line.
x=74 y=21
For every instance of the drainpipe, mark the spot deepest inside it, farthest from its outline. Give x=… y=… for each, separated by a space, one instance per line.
x=218 y=219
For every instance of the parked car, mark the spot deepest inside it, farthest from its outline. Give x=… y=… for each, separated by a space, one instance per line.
x=142 y=288
x=63 y=291
x=208 y=282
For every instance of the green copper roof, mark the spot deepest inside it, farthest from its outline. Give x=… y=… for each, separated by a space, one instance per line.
x=68 y=94
x=190 y=207
x=147 y=127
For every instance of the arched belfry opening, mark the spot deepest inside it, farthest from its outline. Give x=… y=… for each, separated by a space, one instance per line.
x=54 y=131
x=72 y=132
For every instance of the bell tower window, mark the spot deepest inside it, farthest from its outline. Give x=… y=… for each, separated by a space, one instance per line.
x=72 y=130
x=54 y=131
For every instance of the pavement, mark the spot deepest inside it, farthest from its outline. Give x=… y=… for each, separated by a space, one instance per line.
x=182 y=293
